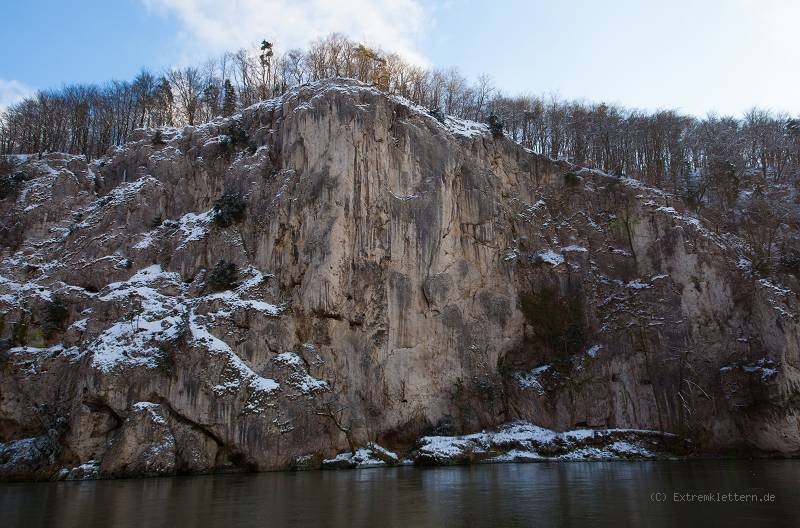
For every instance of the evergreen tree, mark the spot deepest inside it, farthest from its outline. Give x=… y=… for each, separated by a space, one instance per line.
x=165 y=100
x=495 y=126
x=229 y=99
x=266 y=68
x=224 y=276
x=437 y=114
x=211 y=100
x=229 y=208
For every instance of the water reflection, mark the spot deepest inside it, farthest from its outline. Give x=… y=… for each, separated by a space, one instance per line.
x=547 y=494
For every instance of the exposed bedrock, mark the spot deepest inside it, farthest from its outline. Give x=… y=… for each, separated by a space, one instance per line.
x=397 y=277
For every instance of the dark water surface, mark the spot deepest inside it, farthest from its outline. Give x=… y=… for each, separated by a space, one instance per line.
x=544 y=494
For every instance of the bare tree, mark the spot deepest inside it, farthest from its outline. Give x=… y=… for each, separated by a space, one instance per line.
x=338 y=414
x=187 y=87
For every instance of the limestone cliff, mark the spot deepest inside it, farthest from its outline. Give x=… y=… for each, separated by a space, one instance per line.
x=398 y=277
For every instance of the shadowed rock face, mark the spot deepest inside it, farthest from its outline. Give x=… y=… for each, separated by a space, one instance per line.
x=397 y=278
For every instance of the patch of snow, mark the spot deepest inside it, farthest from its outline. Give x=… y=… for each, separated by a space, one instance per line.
x=370 y=456
x=522 y=441
x=191 y=226
x=454 y=125
x=256 y=278
x=624 y=252
x=89 y=470
x=264 y=384
x=153 y=409
x=194 y=226
x=246 y=375
x=531 y=379
x=134 y=341
x=31 y=358
x=146 y=241
x=300 y=378
x=120 y=195
x=764 y=367
x=79 y=325
x=288 y=358
x=744 y=264
x=594 y=351
x=17 y=290
x=308 y=384
x=465 y=128
x=551 y=257
x=775 y=288
x=574 y=249
x=233 y=299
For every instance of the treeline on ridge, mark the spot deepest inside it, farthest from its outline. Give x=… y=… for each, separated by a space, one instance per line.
x=710 y=161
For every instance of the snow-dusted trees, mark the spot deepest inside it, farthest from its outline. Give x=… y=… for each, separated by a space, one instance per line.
x=705 y=160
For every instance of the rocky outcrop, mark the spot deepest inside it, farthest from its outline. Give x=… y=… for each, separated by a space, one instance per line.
x=398 y=277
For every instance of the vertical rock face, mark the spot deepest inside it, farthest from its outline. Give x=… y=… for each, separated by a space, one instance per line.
x=397 y=277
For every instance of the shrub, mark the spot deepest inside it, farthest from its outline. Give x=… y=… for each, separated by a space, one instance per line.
x=165 y=360
x=8 y=186
x=572 y=179
x=234 y=137
x=237 y=134
x=229 y=208
x=6 y=166
x=437 y=114
x=11 y=233
x=225 y=145
x=790 y=260
x=54 y=317
x=224 y=276
x=495 y=126
x=158 y=139
x=10 y=179
x=536 y=259
x=444 y=427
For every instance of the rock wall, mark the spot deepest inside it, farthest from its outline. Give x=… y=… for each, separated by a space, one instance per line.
x=398 y=277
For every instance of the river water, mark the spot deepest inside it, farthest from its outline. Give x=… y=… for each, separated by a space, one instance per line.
x=502 y=495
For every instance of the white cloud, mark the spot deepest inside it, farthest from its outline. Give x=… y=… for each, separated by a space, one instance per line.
x=212 y=26
x=11 y=92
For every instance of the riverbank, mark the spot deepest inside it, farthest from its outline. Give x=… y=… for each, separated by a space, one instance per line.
x=520 y=441
x=510 y=495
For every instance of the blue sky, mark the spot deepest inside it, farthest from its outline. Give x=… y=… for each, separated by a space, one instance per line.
x=712 y=55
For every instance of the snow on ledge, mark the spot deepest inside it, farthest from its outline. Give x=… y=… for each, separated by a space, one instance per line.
x=370 y=456
x=523 y=441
